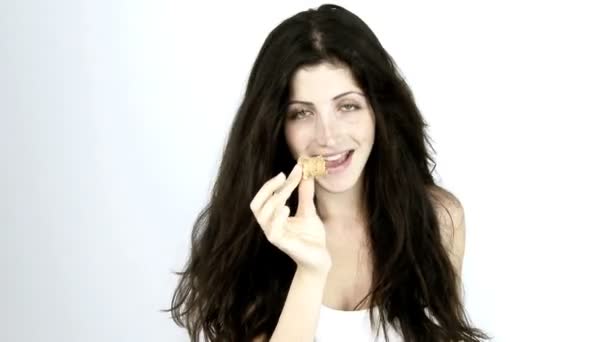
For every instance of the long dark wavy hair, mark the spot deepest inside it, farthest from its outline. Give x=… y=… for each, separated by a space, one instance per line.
x=235 y=282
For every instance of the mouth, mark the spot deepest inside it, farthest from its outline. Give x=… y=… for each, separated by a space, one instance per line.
x=339 y=162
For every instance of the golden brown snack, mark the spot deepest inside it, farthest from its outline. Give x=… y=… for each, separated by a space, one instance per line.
x=312 y=167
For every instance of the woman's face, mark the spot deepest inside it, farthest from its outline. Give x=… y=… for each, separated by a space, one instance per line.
x=328 y=114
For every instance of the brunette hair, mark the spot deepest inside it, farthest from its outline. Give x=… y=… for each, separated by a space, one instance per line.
x=235 y=282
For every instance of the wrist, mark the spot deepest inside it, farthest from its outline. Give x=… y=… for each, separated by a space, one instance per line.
x=313 y=273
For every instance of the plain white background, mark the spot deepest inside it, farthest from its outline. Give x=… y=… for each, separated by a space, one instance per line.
x=114 y=115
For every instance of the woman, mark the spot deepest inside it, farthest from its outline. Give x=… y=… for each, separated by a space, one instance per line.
x=375 y=237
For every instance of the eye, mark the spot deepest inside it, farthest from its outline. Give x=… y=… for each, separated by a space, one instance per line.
x=350 y=107
x=298 y=114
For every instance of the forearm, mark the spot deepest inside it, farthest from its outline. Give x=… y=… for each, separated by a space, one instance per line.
x=300 y=314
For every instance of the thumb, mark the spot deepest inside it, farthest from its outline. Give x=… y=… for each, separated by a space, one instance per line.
x=306 y=194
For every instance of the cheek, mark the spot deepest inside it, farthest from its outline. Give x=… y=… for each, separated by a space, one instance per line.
x=370 y=126
x=363 y=128
x=295 y=138
x=371 y=129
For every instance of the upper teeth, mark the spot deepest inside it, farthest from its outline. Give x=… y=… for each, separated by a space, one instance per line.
x=335 y=157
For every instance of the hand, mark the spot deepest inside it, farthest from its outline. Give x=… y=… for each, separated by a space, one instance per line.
x=302 y=236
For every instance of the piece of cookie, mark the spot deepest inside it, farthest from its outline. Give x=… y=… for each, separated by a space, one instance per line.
x=312 y=167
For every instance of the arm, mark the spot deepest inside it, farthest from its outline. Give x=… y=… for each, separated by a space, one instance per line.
x=298 y=320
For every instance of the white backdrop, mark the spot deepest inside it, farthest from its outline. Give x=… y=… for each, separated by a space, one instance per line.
x=114 y=114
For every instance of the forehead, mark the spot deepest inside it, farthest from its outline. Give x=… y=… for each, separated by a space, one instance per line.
x=321 y=82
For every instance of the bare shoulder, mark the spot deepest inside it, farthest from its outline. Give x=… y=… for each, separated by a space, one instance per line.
x=261 y=338
x=450 y=214
x=448 y=207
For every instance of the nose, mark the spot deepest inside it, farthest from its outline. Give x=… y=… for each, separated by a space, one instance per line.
x=325 y=129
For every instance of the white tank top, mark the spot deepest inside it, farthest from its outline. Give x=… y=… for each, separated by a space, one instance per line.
x=353 y=326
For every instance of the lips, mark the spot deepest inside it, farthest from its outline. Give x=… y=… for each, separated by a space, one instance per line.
x=336 y=157
x=337 y=160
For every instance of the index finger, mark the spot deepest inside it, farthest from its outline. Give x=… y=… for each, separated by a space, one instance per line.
x=266 y=191
x=306 y=194
x=290 y=184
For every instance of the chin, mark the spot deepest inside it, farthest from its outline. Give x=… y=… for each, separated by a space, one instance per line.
x=345 y=180
x=339 y=183
x=336 y=187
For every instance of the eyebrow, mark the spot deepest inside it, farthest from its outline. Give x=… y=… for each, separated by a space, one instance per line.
x=333 y=99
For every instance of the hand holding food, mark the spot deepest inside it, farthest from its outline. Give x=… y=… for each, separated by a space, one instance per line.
x=301 y=236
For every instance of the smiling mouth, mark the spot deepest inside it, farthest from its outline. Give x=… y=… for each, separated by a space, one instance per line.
x=336 y=162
